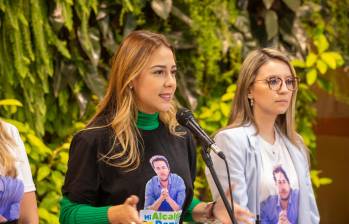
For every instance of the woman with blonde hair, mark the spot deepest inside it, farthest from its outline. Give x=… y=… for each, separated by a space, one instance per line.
x=260 y=140
x=108 y=166
x=17 y=190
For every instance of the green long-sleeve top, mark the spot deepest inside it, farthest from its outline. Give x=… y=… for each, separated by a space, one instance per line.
x=73 y=213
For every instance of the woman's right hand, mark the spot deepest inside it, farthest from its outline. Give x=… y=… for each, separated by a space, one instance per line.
x=126 y=213
x=242 y=215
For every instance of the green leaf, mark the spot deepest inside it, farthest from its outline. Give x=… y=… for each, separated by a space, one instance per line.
x=93 y=79
x=321 y=66
x=44 y=214
x=50 y=201
x=298 y=63
x=162 y=8
x=325 y=181
x=315 y=173
x=225 y=108
x=325 y=84
x=227 y=96
x=292 y=4
x=90 y=41
x=321 y=43
x=216 y=116
x=10 y=102
x=310 y=60
x=231 y=88
x=64 y=157
x=268 y=3
x=329 y=58
x=38 y=144
x=43 y=172
x=214 y=105
x=317 y=180
x=57 y=178
x=311 y=76
x=337 y=56
x=206 y=113
x=271 y=24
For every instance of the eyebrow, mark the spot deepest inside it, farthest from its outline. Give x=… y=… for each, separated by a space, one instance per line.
x=162 y=66
x=279 y=75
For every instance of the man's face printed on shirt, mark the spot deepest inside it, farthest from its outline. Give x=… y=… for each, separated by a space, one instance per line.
x=283 y=186
x=161 y=169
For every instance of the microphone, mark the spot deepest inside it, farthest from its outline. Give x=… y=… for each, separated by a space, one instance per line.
x=186 y=118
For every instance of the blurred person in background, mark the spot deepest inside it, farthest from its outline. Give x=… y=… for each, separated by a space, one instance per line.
x=17 y=190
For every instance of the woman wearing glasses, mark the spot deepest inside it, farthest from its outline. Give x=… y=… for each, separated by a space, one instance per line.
x=268 y=160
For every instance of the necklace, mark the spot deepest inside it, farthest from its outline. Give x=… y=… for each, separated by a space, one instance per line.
x=272 y=151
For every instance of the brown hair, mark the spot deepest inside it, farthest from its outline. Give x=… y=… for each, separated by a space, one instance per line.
x=119 y=101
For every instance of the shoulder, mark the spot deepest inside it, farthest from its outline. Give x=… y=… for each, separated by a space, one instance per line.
x=91 y=134
x=176 y=177
x=152 y=180
x=270 y=201
x=13 y=132
x=236 y=133
x=177 y=181
x=232 y=131
x=95 y=139
x=10 y=129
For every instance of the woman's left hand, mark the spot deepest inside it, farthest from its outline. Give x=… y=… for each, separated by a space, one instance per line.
x=242 y=215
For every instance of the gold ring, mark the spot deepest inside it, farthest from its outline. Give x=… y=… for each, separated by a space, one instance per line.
x=132 y=223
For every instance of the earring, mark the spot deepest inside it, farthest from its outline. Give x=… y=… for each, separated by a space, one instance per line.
x=251 y=102
x=130 y=86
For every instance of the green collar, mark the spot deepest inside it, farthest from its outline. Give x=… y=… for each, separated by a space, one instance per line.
x=147 y=121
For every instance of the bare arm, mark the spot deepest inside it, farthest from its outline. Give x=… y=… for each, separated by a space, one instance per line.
x=28 y=209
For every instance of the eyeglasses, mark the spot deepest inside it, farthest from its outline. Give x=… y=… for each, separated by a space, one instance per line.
x=275 y=83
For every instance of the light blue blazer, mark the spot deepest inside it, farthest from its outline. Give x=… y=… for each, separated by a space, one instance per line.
x=241 y=148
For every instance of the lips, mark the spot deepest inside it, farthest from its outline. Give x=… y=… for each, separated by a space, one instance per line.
x=281 y=101
x=166 y=96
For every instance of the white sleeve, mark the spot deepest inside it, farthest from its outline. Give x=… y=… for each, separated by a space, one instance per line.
x=233 y=148
x=22 y=163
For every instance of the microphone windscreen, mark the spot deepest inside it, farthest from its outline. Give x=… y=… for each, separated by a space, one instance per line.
x=183 y=116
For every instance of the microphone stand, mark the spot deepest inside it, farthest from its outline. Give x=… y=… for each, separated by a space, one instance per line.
x=207 y=158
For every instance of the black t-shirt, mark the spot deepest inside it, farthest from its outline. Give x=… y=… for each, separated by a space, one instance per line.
x=91 y=181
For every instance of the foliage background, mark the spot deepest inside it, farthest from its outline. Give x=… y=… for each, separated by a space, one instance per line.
x=55 y=61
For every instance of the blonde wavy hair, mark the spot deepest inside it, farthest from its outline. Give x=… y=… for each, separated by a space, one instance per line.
x=119 y=101
x=7 y=161
x=242 y=113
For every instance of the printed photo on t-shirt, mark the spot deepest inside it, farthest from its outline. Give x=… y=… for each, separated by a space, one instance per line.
x=282 y=207
x=164 y=193
x=11 y=192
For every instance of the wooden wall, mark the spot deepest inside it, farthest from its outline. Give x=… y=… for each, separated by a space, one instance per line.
x=333 y=157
